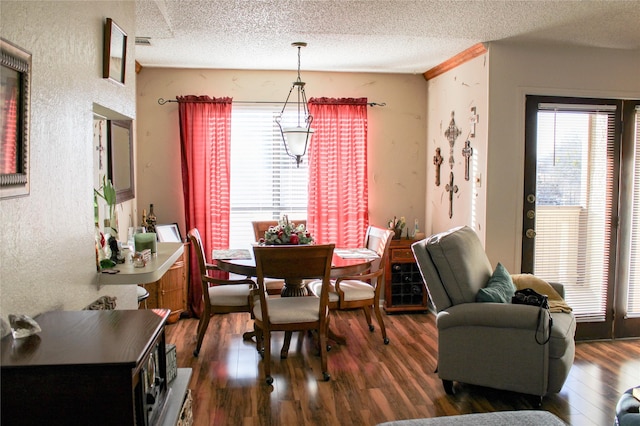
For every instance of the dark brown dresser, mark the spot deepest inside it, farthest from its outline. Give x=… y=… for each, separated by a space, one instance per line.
x=87 y=367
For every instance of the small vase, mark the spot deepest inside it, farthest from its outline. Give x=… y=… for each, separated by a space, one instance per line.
x=398 y=233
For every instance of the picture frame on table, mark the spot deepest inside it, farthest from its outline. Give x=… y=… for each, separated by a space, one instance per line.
x=169 y=233
x=15 y=90
x=115 y=52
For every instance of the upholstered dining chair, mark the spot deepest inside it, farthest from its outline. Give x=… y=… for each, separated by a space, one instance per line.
x=291 y=313
x=273 y=285
x=363 y=290
x=483 y=340
x=219 y=295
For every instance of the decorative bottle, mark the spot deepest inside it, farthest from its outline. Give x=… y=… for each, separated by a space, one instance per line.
x=151 y=220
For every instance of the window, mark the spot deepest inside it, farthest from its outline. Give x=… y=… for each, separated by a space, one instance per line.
x=265 y=182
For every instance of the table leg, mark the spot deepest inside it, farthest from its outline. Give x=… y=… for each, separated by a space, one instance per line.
x=338 y=338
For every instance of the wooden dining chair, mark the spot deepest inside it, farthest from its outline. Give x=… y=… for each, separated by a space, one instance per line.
x=291 y=313
x=362 y=291
x=219 y=295
x=273 y=286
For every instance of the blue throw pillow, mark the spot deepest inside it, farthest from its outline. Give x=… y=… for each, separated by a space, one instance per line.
x=499 y=289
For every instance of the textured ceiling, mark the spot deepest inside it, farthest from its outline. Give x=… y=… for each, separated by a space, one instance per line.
x=392 y=36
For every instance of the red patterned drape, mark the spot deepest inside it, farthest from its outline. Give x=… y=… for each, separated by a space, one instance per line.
x=9 y=146
x=338 y=188
x=205 y=139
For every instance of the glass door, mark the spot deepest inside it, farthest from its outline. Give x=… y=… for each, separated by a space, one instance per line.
x=574 y=211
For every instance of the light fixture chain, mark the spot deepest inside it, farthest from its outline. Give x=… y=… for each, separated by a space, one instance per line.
x=299 y=47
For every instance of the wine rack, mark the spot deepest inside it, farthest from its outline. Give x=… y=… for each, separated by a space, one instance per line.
x=404 y=288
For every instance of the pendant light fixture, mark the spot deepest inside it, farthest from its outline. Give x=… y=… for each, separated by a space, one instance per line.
x=296 y=138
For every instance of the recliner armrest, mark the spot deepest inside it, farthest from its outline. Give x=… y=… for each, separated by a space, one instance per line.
x=499 y=315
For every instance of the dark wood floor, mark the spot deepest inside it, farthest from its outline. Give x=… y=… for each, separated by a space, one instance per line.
x=373 y=383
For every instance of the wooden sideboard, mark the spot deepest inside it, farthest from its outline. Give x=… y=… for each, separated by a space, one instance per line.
x=170 y=291
x=404 y=289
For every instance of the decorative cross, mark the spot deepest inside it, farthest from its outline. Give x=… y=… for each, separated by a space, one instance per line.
x=452 y=134
x=100 y=147
x=473 y=120
x=467 y=152
x=451 y=189
x=437 y=161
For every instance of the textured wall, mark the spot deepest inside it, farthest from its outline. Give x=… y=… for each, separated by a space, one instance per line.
x=47 y=258
x=515 y=71
x=458 y=91
x=397 y=131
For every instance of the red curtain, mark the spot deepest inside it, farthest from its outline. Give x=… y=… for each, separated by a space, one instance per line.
x=338 y=187
x=9 y=145
x=205 y=139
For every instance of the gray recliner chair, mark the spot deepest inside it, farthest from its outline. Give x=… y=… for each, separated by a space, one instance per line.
x=489 y=344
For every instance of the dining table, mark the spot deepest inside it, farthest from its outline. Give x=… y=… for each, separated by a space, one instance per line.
x=343 y=263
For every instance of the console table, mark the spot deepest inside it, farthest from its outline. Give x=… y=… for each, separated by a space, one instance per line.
x=166 y=278
x=167 y=254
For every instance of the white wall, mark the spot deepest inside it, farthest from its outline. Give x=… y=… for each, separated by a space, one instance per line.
x=397 y=131
x=515 y=71
x=47 y=257
x=458 y=90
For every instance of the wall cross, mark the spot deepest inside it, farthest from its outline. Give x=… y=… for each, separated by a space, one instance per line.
x=473 y=121
x=437 y=161
x=452 y=134
x=451 y=189
x=100 y=148
x=467 y=152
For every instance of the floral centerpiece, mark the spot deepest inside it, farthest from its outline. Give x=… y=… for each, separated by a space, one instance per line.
x=286 y=232
x=397 y=225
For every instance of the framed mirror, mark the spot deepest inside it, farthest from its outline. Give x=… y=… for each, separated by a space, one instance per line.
x=15 y=80
x=120 y=158
x=115 y=52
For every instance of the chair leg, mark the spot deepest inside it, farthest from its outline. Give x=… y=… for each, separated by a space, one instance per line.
x=367 y=314
x=202 y=328
x=267 y=356
x=259 y=340
x=284 y=352
x=376 y=308
x=323 y=353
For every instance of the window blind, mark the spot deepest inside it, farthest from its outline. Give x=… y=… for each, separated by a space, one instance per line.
x=265 y=182
x=633 y=296
x=574 y=200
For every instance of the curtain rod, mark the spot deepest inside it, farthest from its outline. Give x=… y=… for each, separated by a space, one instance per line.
x=163 y=101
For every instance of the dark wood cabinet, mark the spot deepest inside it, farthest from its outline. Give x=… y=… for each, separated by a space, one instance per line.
x=87 y=367
x=404 y=289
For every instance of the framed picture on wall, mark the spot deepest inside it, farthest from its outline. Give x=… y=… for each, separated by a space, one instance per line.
x=15 y=90
x=115 y=52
